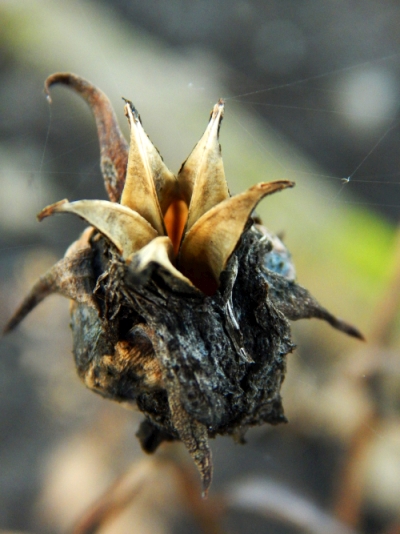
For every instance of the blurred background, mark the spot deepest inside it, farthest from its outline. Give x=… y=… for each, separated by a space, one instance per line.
x=312 y=95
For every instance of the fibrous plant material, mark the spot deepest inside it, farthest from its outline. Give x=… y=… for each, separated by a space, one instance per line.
x=181 y=299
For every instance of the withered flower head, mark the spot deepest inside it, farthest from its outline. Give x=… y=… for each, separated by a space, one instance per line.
x=180 y=297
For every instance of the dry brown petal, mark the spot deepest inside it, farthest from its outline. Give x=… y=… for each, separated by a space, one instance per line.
x=159 y=251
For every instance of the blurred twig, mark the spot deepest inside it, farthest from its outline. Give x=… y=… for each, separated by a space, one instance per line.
x=274 y=500
x=133 y=483
x=207 y=512
x=394 y=528
x=116 y=498
x=349 y=496
x=388 y=306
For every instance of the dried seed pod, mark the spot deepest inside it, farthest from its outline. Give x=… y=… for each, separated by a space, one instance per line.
x=190 y=326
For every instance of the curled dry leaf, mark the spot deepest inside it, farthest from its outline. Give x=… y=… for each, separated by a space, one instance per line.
x=181 y=299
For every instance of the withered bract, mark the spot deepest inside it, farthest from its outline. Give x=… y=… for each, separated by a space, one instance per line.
x=181 y=299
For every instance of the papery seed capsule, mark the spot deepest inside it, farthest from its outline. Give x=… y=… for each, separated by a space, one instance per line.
x=181 y=298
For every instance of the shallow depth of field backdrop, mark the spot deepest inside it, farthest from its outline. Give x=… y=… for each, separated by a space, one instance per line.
x=312 y=94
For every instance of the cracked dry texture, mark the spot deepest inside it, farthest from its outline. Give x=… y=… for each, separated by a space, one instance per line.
x=223 y=369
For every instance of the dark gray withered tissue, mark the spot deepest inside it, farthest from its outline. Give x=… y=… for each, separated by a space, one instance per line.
x=181 y=298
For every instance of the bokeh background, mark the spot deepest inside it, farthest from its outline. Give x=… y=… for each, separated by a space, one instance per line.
x=312 y=94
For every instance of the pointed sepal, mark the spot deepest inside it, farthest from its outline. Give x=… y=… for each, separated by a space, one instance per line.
x=295 y=302
x=140 y=193
x=125 y=228
x=202 y=178
x=165 y=181
x=208 y=245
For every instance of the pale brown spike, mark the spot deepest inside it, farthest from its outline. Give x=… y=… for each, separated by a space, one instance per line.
x=208 y=245
x=202 y=177
x=113 y=146
x=125 y=228
x=193 y=435
x=70 y=277
x=139 y=193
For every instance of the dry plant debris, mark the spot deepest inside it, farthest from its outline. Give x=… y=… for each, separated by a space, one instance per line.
x=181 y=299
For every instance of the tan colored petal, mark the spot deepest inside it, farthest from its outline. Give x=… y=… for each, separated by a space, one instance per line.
x=113 y=146
x=202 y=177
x=164 y=180
x=159 y=251
x=125 y=228
x=208 y=245
x=139 y=192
